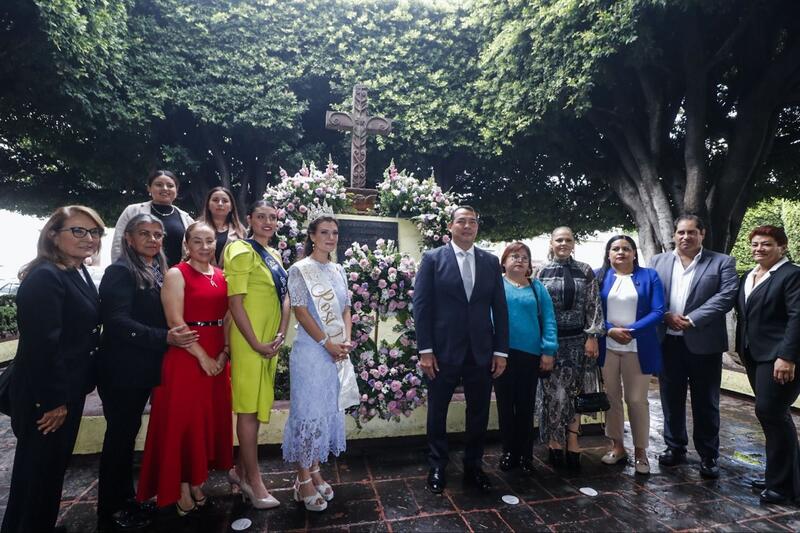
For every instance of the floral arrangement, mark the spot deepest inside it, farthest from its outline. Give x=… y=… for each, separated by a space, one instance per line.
x=402 y=195
x=293 y=195
x=381 y=286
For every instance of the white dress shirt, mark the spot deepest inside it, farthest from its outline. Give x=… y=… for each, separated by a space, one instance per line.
x=679 y=287
x=621 y=306
x=750 y=283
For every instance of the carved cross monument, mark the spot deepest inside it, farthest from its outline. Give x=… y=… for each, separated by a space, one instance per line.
x=361 y=124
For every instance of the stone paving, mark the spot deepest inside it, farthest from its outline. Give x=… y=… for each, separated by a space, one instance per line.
x=380 y=486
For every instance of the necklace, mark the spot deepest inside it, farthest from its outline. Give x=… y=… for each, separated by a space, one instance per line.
x=514 y=283
x=153 y=208
x=210 y=277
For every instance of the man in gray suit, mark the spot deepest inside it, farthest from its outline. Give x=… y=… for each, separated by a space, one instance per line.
x=700 y=287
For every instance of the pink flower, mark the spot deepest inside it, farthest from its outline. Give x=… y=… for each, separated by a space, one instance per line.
x=364 y=263
x=377 y=385
x=355 y=319
x=380 y=242
x=401 y=305
x=392 y=293
x=410 y=293
x=382 y=284
x=411 y=394
x=364 y=377
x=348 y=252
x=381 y=396
x=392 y=405
x=445 y=238
x=353 y=276
x=394 y=353
x=282 y=245
x=290 y=206
x=383 y=369
x=396 y=386
x=374 y=373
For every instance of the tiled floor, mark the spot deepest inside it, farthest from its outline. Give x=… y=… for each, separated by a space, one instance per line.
x=380 y=486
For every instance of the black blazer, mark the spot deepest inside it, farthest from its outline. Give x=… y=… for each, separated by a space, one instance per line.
x=134 y=331
x=449 y=324
x=770 y=321
x=58 y=313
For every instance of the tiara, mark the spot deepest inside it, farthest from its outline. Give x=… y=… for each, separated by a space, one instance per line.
x=318 y=211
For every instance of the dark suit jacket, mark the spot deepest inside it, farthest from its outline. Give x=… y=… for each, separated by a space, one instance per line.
x=58 y=313
x=449 y=324
x=134 y=331
x=711 y=295
x=770 y=320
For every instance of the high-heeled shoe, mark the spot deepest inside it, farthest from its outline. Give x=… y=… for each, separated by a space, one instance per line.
x=555 y=456
x=270 y=502
x=184 y=512
x=324 y=489
x=310 y=502
x=234 y=481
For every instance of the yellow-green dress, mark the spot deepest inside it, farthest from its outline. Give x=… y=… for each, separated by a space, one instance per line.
x=252 y=376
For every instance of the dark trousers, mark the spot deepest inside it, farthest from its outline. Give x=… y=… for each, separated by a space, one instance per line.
x=122 y=408
x=477 y=381
x=772 y=410
x=515 y=391
x=40 y=462
x=703 y=375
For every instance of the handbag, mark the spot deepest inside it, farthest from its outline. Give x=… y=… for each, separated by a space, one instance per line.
x=592 y=402
x=348 y=390
x=5 y=389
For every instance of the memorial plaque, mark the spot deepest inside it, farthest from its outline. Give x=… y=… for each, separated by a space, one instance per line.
x=363 y=232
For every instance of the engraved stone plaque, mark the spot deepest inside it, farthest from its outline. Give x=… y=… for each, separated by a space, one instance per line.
x=363 y=232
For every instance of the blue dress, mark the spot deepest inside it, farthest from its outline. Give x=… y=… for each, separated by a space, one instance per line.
x=315 y=427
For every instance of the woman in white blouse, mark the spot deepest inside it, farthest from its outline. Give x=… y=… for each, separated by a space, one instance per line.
x=633 y=304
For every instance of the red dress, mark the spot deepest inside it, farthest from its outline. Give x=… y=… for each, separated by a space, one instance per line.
x=190 y=427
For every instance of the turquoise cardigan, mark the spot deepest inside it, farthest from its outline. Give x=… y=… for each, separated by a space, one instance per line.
x=649 y=313
x=531 y=319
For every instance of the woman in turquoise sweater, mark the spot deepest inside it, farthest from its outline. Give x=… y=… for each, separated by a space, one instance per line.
x=533 y=342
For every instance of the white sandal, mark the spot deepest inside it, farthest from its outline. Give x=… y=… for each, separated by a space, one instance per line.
x=309 y=501
x=324 y=489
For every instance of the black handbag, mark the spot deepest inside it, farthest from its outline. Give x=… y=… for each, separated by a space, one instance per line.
x=592 y=402
x=5 y=389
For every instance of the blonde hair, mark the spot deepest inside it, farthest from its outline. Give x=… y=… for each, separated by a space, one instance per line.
x=46 y=248
x=550 y=254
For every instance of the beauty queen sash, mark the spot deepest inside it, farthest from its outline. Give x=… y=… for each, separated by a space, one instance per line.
x=330 y=313
x=279 y=276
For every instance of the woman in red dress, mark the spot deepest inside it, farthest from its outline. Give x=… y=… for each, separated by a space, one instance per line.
x=190 y=427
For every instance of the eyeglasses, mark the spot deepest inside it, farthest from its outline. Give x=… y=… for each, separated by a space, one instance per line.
x=520 y=258
x=79 y=232
x=144 y=234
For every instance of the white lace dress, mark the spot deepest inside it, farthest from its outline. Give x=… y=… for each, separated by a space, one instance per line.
x=315 y=427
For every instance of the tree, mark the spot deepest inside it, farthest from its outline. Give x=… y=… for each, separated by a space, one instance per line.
x=676 y=105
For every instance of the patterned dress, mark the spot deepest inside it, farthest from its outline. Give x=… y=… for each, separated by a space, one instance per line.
x=573 y=289
x=315 y=427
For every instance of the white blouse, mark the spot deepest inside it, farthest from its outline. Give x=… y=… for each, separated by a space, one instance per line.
x=621 y=307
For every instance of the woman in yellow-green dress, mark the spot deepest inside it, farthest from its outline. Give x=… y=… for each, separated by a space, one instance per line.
x=257 y=294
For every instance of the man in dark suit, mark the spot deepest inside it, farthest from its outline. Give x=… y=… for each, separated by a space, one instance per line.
x=700 y=287
x=461 y=323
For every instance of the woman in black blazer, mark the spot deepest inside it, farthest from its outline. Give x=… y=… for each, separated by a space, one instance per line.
x=135 y=337
x=768 y=341
x=58 y=313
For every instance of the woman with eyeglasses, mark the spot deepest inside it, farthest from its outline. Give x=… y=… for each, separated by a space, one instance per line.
x=190 y=428
x=58 y=313
x=573 y=289
x=162 y=185
x=135 y=337
x=630 y=353
x=533 y=343
x=220 y=212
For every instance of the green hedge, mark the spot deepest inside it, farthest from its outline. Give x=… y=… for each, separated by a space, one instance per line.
x=8 y=316
x=776 y=212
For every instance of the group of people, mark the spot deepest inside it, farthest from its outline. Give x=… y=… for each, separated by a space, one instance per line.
x=548 y=336
x=191 y=315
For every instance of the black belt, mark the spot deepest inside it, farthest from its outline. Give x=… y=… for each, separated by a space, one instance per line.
x=209 y=323
x=572 y=332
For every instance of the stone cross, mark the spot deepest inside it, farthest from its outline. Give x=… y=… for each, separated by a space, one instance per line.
x=361 y=124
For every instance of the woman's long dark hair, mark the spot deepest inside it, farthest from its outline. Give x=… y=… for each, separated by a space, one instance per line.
x=232 y=219
x=144 y=276
x=601 y=276
x=308 y=247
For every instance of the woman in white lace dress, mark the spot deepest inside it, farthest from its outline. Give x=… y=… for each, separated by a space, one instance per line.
x=315 y=427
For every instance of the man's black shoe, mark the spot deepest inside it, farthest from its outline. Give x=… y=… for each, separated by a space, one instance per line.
x=475 y=477
x=127 y=520
x=436 y=480
x=709 y=468
x=770 y=496
x=758 y=483
x=508 y=461
x=672 y=457
x=527 y=466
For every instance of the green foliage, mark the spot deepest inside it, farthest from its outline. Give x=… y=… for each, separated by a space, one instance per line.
x=8 y=316
x=790 y=215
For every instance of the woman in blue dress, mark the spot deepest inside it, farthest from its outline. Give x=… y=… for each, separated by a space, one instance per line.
x=315 y=427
